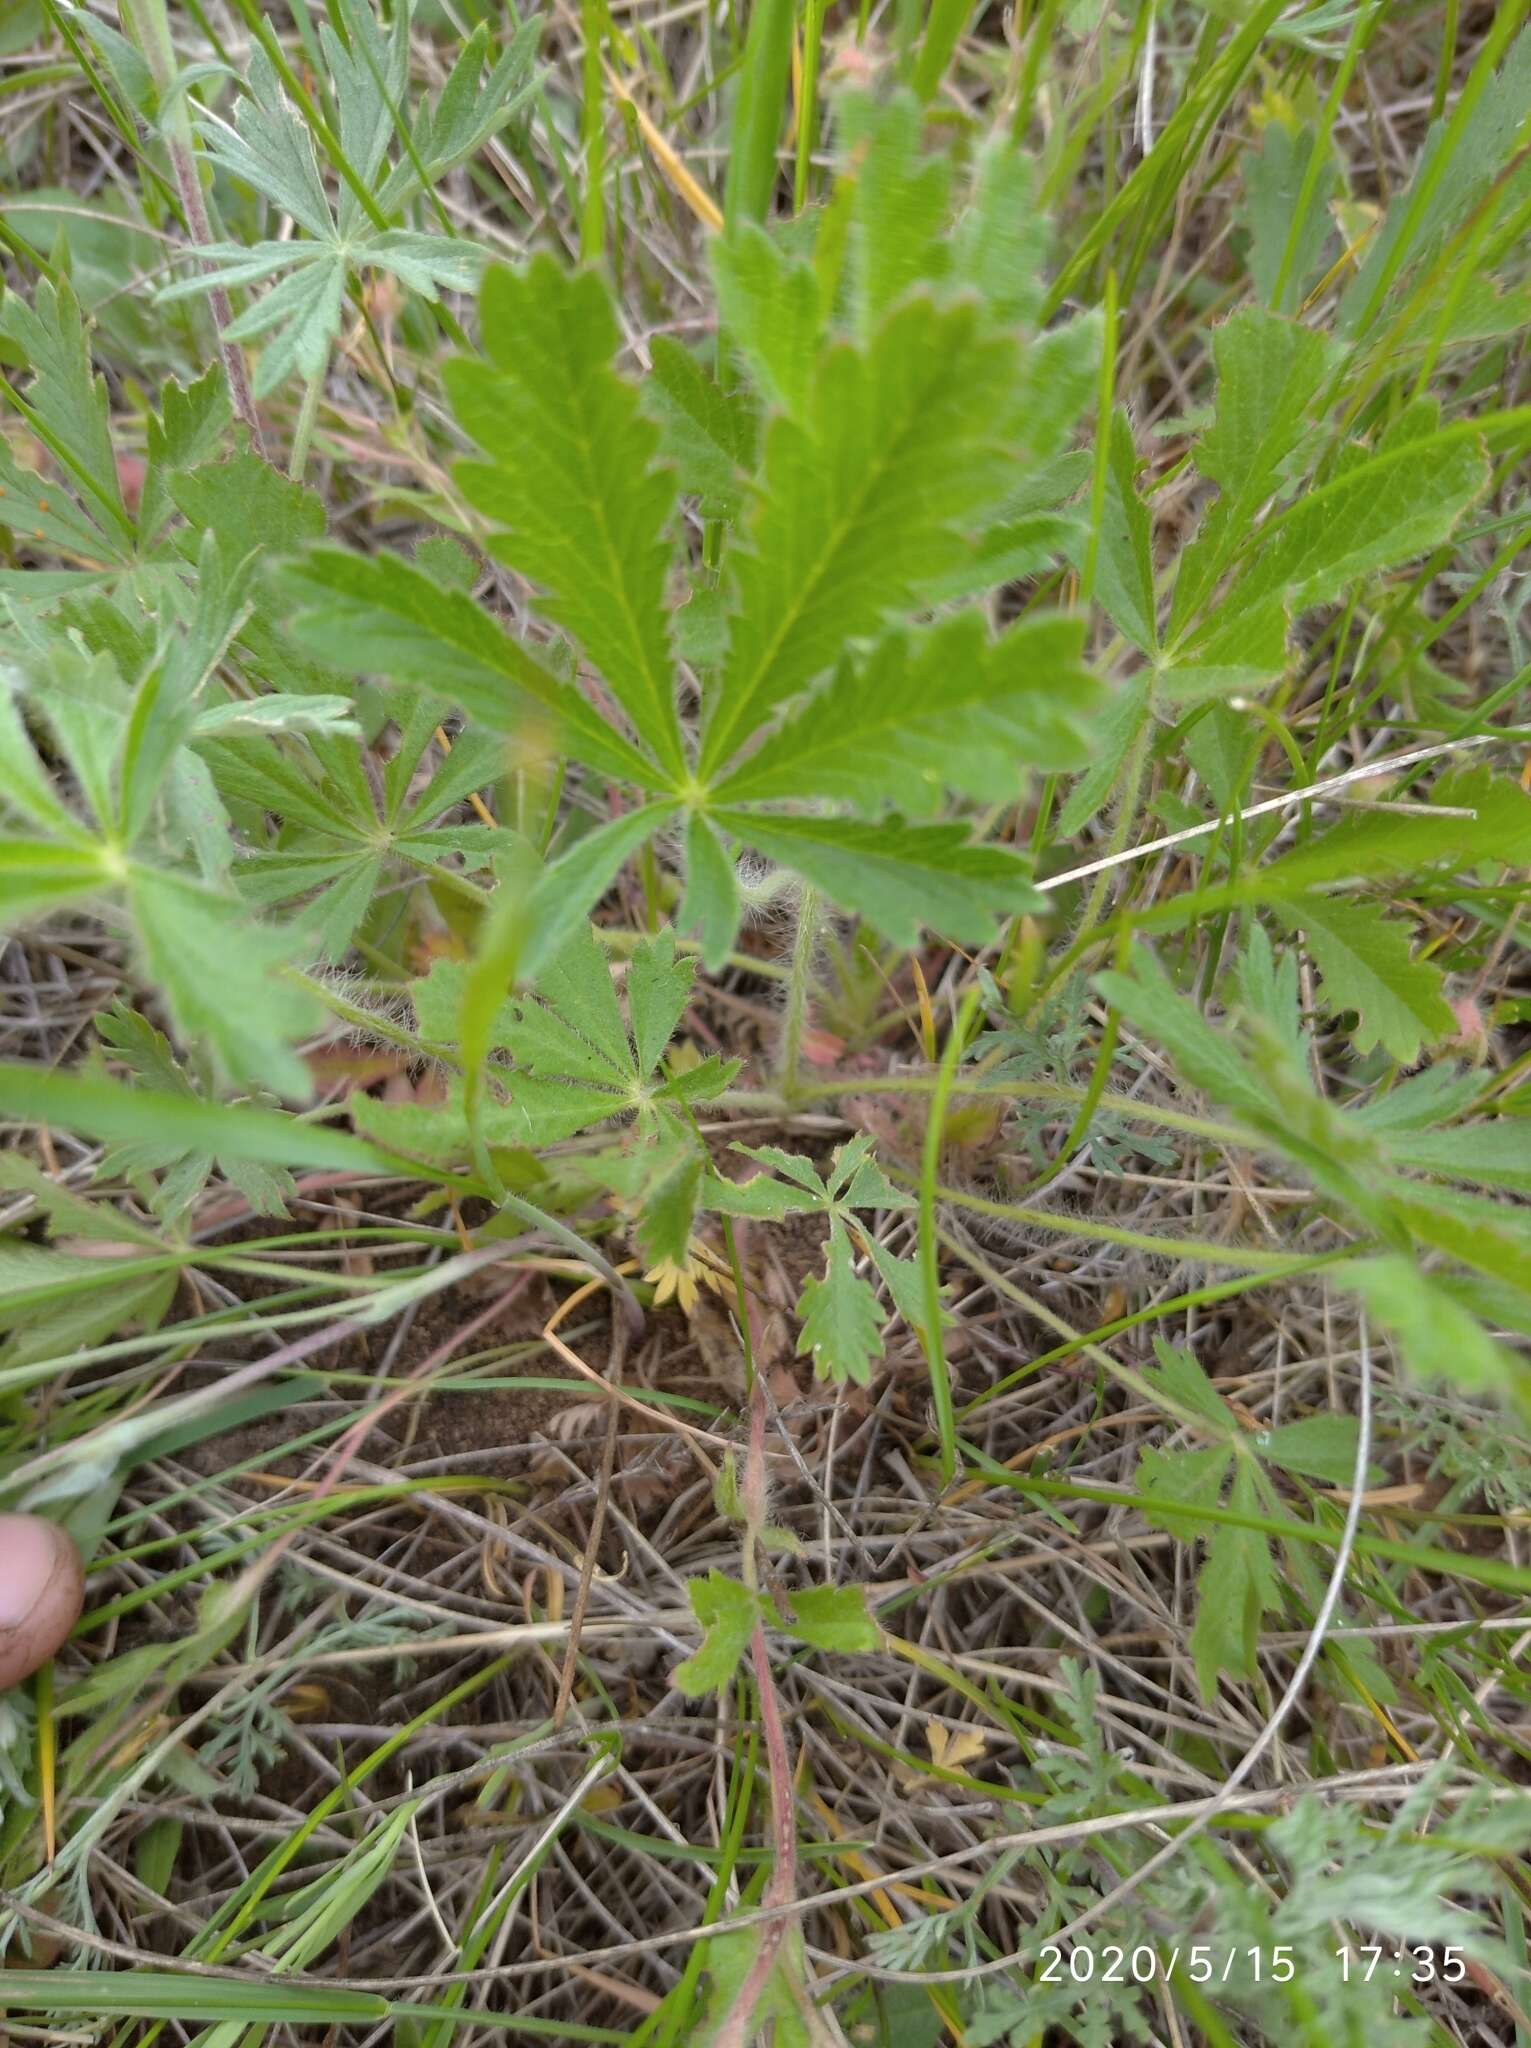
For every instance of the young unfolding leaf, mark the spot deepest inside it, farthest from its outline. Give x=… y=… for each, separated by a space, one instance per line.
x=841 y=1319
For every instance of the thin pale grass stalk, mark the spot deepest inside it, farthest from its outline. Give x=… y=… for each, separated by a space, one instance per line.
x=148 y=22
x=1366 y=771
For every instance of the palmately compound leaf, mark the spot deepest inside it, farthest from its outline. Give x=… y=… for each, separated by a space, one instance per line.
x=840 y=1314
x=221 y=973
x=572 y=1067
x=268 y=147
x=572 y=483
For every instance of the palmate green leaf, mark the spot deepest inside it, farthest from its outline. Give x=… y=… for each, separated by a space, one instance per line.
x=530 y=1115
x=861 y=504
x=1269 y=990
x=1367 y=966
x=269 y=148
x=834 y=1618
x=575 y=1064
x=727 y=1613
x=945 y=709
x=334 y=847
x=841 y=1320
x=219 y=972
x=901 y=877
x=1254 y=1074
x=571 y=885
x=572 y=481
x=470 y=108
